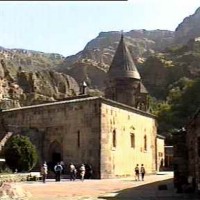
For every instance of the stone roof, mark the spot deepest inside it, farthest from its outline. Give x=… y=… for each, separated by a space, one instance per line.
x=102 y=99
x=122 y=65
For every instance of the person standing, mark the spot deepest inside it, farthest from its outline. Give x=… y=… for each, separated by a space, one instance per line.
x=82 y=172
x=142 y=171
x=44 y=171
x=137 y=172
x=58 y=170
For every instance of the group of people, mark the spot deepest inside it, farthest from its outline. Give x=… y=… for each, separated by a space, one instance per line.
x=138 y=171
x=82 y=171
x=73 y=172
x=58 y=168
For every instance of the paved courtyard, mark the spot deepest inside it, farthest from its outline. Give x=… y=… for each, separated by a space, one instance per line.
x=111 y=189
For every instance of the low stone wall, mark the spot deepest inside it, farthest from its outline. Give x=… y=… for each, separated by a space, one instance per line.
x=13 y=177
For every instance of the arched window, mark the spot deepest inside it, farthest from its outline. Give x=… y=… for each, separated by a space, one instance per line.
x=132 y=140
x=114 y=138
x=145 y=143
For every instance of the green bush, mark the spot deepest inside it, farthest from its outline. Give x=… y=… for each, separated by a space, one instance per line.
x=20 y=153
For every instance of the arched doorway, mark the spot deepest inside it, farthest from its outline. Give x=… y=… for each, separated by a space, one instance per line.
x=55 y=152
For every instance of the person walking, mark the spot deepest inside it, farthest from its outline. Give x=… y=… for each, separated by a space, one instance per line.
x=142 y=171
x=82 y=172
x=58 y=170
x=72 y=170
x=137 y=173
x=43 y=172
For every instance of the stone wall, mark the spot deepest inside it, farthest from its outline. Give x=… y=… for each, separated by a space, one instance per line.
x=130 y=127
x=160 y=153
x=55 y=127
x=13 y=177
x=81 y=131
x=193 y=144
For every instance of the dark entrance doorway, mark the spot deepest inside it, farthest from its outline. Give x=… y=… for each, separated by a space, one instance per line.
x=56 y=157
x=55 y=154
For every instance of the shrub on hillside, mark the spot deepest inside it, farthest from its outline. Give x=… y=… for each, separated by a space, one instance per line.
x=20 y=153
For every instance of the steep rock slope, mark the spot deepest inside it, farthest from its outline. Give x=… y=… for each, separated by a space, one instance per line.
x=141 y=43
x=89 y=72
x=28 y=88
x=29 y=60
x=188 y=29
x=92 y=63
x=160 y=71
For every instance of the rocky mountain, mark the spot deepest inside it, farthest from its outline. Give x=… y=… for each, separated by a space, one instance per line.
x=29 y=60
x=141 y=43
x=92 y=63
x=188 y=29
x=150 y=53
x=162 y=70
x=28 y=88
x=160 y=62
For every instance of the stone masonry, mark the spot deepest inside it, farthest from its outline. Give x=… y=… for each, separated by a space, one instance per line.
x=81 y=131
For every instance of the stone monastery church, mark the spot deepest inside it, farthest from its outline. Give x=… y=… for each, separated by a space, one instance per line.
x=111 y=133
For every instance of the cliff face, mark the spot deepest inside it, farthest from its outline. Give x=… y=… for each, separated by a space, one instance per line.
x=163 y=69
x=92 y=63
x=28 y=88
x=141 y=44
x=26 y=77
x=28 y=60
x=89 y=72
x=188 y=29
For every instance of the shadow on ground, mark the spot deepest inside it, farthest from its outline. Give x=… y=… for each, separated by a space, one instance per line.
x=150 y=191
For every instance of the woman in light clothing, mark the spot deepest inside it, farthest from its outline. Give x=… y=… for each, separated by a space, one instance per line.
x=44 y=171
x=82 y=172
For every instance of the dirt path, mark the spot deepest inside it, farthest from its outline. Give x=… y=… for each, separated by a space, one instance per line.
x=88 y=189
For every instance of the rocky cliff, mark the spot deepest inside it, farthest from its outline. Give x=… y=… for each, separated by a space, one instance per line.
x=92 y=63
x=141 y=44
x=159 y=61
x=28 y=88
x=188 y=29
x=28 y=60
x=162 y=70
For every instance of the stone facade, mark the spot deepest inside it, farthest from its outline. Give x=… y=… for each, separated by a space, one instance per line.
x=67 y=131
x=110 y=136
x=193 y=147
x=127 y=138
x=160 y=152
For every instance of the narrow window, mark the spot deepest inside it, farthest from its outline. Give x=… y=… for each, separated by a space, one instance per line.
x=114 y=138
x=198 y=146
x=145 y=142
x=132 y=140
x=78 y=138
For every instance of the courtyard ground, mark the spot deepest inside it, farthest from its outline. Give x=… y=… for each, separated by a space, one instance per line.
x=111 y=189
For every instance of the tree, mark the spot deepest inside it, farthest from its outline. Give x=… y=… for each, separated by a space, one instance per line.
x=183 y=101
x=20 y=153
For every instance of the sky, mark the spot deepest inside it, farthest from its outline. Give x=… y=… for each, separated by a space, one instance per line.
x=65 y=27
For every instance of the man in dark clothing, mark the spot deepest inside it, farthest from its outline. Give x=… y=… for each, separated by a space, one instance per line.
x=58 y=170
x=142 y=171
x=137 y=172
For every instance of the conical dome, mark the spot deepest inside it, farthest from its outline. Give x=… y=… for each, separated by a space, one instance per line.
x=122 y=65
